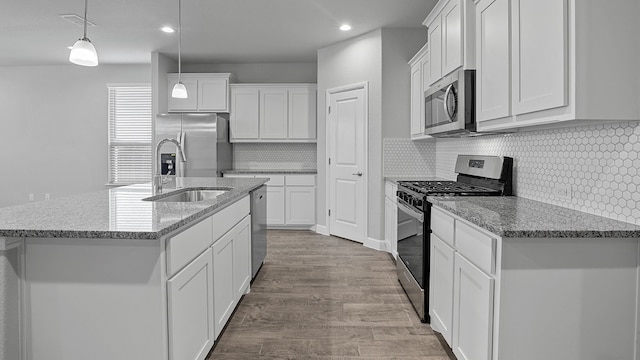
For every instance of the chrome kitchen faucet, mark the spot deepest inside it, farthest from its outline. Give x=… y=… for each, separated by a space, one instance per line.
x=158 y=180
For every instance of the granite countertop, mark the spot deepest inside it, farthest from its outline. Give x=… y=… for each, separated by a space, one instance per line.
x=119 y=213
x=514 y=217
x=271 y=171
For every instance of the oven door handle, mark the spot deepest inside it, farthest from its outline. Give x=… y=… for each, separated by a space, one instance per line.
x=405 y=207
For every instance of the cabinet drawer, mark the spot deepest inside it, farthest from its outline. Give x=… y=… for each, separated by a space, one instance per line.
x=476 y=246
x=302 y=180
x=442 y=225
x=187 y=245
x=274 y=180
x=231 y=215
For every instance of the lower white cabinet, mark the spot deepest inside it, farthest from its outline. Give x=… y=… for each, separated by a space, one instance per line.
x=441 y=287
x=275 y=205
x=391 y=218
x=242 y=257
x=300 y=205
x=291 y=199
x=224 y=294
x=472 y=311
x=190 y=310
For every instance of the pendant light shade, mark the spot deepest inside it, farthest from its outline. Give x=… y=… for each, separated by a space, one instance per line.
x=83 y=52
x=179 y=90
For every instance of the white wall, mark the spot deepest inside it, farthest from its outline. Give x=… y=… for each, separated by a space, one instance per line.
x=380 y=58
x=54 y=128
x=262 y=72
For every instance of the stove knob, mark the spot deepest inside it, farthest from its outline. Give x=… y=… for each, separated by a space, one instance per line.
x=418 y=203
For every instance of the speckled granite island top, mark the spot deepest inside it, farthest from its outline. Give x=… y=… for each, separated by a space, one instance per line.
x=514 y=217
x=267 y=171
x=119 y=213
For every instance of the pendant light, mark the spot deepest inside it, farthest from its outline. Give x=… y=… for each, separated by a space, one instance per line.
x=179 y=90
x=83 y=52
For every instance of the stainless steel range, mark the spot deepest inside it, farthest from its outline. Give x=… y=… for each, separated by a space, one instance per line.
x=477 y=176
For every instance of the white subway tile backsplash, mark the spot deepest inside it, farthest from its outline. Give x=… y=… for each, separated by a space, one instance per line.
x=595 y=169
x=276 y=156
x=403 y=157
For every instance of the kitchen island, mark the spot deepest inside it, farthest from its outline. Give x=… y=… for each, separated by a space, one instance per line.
x=109 y=275
x=513 y=278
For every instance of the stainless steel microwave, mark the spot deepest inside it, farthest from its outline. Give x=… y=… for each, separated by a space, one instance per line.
x=450 y=105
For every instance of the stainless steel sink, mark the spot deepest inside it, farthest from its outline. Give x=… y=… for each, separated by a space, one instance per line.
x=191 y=195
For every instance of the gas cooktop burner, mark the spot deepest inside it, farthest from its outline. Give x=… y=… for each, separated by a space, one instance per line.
x=445 y=187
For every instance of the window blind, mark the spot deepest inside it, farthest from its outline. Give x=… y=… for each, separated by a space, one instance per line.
x=130 y=134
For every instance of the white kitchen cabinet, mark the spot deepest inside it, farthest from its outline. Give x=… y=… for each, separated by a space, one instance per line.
x=435 y=50
x=298 y=209
x=242 y=257
x=441 y=287
x=391 y=218
x=273 y=113
x=206 y=92
x=493 y=51
x=558 y=74
x=290 y=199
x=275 y=205
x=451 y=49
x=419 y=83
x=190 y=310
x=472 y=311
x=302 y=113
x=224 y=295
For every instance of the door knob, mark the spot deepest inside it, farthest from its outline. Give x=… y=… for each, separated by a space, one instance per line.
x=358 y=173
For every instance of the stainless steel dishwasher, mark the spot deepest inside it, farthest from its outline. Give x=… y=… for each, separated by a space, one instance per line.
x=258 y=229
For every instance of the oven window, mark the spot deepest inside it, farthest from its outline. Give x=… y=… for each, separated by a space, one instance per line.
x=410 y=244
x=434 y=110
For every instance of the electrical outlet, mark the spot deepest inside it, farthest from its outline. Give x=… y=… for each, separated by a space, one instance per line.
x=31 y=198
x=47 y=196
x=562 y=191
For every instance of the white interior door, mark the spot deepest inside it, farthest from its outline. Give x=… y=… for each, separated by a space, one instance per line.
x=348 y=179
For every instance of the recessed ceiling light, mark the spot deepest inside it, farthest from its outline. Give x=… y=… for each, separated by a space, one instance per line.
x=345 y=27
x=168 y=29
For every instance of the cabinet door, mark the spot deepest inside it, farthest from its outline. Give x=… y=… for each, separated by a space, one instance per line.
x=223 y=286
x=245 y=112
x=188 y=104
x=273 y=114
x=300 y=205
x=435 y=51
x=472 y=311
x=302 y=114
x=391 y=225
x=417 y=100
x=190 y=310
x=493 y=55
x=275 y=205
x=451 y=36
x=441 y=287
x=540 y=54
x=426 y=77
x=242 y=257
x=213 y=95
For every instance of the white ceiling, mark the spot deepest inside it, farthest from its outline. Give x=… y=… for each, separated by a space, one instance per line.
x=213 y=31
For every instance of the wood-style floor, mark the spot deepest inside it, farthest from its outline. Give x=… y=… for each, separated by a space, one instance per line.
x=322 y=297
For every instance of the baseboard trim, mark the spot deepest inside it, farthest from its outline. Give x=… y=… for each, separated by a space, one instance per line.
x=375 y=244
x=322 y=230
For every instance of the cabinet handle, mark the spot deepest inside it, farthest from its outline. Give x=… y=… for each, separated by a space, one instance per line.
x=358 y=173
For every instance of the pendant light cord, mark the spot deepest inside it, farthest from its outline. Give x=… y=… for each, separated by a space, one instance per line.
x=179 y=40
x=85 y=20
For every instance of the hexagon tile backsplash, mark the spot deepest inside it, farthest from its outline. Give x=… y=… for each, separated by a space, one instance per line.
x=595 y=169
x=274 y=156
x=403 y=157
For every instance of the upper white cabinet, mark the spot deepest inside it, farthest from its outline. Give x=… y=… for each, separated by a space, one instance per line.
x=273 y=113
x=543 y=62
x=419 y=83
x=207 y=92
x=451 y=44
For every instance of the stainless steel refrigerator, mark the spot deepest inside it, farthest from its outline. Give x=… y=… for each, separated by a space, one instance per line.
x=204 y=139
